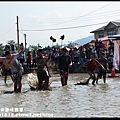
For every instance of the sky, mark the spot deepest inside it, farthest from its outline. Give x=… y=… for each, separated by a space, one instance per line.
x=41 y=19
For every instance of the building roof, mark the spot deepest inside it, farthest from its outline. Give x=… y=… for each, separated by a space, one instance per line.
x=117 y=24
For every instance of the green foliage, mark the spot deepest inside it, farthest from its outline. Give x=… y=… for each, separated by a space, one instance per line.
x=11 y=42
x=70 y=45
x=1 y=49
x=33 y=47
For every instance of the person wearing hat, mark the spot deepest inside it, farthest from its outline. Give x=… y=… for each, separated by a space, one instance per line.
x=10 y=61
x=64 y=62
x=102 y=73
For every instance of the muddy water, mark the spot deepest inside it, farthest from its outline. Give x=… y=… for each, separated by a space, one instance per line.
x=86 y=101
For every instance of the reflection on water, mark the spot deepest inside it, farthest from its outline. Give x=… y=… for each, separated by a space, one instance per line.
x=102 y=100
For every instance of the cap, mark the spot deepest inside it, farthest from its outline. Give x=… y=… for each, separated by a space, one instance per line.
x=64 y=49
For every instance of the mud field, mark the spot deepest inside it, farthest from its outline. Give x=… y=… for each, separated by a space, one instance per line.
x=74 y=101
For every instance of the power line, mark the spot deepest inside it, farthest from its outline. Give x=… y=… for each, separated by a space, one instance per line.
x=89 y=13
x=97 y=16
x=100 y=17
x=74 y=18
x=66 y=27
x=21 y=29
x=7 y=31
x=85 y=19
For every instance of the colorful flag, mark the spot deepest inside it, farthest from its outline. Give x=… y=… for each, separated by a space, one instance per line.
x=116 y=56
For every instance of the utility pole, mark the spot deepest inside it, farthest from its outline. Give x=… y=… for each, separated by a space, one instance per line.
x=17 y=34
x=25 y=46
x=61 y=42
x=25 y=42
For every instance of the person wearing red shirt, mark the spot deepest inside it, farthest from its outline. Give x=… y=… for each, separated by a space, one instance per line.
x=91 y=65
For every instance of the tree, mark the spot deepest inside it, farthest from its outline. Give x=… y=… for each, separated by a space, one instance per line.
x=33 y=47
x=1 y=49
x=12 y=43
x=70 y=45
x=39 y=46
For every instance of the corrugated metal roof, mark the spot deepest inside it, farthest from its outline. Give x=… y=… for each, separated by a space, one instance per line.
x=99 y=29
x=103 y=28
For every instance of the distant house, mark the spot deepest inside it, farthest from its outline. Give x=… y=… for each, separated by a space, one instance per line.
x=112 y=28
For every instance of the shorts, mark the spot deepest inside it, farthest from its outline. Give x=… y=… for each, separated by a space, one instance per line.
x=17 y=76
x=63 y=74
x=42 y=76
x=101 y=73
x=92 y=74
x=7 y=72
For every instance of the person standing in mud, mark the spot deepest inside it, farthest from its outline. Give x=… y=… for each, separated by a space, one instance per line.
x=91 y=65
x=97 y=47
x=42 y=70
x=64 y=62
x=7 y=72
x=11 y=61
x=29 y=60
x=103 y=60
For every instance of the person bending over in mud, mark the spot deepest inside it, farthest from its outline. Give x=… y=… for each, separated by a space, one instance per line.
x=91 y=65
x=42 y=70
x=11 y=62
